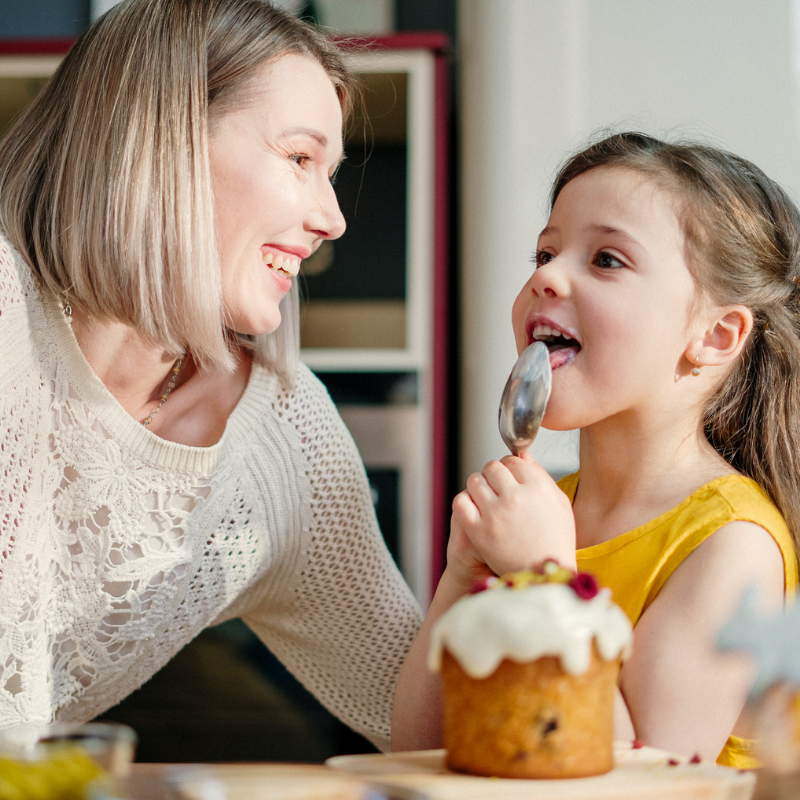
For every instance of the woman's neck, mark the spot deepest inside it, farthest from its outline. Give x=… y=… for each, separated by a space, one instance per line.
x=633 y=469
x=137 y=374
x=133 y=370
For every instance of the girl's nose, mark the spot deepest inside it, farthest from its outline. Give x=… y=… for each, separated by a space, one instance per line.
x=550 y=280
x=327 y=219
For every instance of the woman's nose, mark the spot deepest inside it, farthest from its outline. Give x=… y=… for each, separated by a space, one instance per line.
x=327 y=219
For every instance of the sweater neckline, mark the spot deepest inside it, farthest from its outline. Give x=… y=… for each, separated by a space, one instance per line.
x=128 y=432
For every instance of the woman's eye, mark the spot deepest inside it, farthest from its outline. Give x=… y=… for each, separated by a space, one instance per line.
x=607 y=261
x=299 y=158
x=542 y=257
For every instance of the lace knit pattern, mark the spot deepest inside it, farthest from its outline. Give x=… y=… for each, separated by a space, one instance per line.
x=117 y=547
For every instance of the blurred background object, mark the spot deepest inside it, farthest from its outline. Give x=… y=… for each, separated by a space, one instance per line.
x=773 y=708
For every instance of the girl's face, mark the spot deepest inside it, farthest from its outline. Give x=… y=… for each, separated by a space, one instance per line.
x=272 y=162
x=611 y=294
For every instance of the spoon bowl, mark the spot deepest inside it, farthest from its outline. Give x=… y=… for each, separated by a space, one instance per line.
x=525 y=398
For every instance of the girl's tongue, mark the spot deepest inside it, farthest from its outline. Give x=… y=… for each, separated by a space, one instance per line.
x=562 y=354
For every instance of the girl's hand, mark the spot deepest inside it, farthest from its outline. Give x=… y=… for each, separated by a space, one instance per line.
x=464 y=563
x=514 y=515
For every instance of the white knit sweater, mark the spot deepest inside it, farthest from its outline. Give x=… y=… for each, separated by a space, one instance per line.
x=118 y=547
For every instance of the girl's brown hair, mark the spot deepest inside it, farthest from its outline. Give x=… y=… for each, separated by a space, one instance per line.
x=105 y=186
x=743 y=247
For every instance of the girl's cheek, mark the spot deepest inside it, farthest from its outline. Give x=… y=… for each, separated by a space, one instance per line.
x=518 y=324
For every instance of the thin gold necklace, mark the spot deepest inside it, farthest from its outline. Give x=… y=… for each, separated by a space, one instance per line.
x=176 y=368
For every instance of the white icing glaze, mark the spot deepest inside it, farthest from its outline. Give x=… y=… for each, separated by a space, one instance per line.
x=525 y=624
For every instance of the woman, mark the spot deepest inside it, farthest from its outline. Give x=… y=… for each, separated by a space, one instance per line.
x=166 y=464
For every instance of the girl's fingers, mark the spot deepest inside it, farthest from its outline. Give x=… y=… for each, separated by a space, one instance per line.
x=498 y=477
x=465 y=510
x=523 y=468
x=479 y=489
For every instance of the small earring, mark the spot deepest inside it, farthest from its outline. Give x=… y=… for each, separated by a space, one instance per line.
x=696 y=368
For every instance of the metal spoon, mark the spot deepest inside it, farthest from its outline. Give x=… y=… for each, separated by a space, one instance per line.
x=525 y=398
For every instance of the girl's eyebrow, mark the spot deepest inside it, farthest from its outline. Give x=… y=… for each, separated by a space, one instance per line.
x=610 y=231
x=604 y=229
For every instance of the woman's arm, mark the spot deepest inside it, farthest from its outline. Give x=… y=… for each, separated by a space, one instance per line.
x=683 y=694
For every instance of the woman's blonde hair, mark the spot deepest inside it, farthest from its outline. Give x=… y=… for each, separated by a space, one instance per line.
x=743 y=247
x=105 y=185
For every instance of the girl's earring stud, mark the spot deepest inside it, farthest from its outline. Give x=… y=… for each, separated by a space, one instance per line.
x=696 y=368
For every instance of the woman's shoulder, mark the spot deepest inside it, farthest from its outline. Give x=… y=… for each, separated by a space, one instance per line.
x=21 y=317
x=304 y=406
x=16 y=280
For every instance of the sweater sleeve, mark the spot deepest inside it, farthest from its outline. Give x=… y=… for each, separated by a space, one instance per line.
x=348 y=622
x=15 y=335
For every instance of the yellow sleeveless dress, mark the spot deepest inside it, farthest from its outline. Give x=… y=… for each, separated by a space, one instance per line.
x=636 y=564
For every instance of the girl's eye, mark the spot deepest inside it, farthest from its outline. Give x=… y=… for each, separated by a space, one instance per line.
x=299 y=158
x=542 y=257
x=607 y=261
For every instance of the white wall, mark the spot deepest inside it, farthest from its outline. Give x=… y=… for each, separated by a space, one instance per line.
x=537 y=78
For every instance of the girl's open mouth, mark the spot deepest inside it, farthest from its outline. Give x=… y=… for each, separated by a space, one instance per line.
x=562 y=346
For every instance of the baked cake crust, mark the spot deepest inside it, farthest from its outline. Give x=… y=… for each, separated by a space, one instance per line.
x=531 y=720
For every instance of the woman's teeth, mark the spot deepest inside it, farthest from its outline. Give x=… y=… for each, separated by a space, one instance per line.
x=286 y=264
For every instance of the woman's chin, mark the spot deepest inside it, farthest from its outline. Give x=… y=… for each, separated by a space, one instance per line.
x=250 y=326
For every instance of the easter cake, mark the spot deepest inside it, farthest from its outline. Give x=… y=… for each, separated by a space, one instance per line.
x=529 y=665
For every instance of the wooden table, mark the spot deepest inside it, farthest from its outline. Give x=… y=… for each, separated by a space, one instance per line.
x=639 y=774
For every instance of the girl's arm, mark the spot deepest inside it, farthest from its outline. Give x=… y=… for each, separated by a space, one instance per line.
x=417 y=711
x=683 y=694
x=484 y=540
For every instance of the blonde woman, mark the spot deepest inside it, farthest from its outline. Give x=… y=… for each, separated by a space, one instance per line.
x=165 y=463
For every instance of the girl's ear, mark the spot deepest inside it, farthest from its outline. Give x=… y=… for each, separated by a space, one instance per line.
x=724 y=339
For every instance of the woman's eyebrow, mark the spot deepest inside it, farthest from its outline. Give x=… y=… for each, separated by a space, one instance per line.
x=318 y=136
x=312 y=132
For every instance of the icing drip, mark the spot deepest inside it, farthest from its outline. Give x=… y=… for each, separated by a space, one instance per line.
x=525 y=624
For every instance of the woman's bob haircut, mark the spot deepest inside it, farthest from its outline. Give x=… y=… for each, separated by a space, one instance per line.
x=105 y=186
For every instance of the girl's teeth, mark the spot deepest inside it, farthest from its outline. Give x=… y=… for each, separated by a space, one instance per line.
x=277 y=262
x=545 y=330
x=267 y=258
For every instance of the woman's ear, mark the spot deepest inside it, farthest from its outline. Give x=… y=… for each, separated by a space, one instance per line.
x=723 y=339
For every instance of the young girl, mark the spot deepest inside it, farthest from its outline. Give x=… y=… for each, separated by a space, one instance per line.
x=666 y=287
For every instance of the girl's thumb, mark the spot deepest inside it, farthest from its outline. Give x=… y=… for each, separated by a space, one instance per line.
x=525 y=455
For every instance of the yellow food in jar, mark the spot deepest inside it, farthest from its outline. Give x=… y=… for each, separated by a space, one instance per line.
x=61 y=775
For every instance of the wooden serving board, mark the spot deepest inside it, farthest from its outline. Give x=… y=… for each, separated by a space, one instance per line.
x=263 y=781
x=638 y=774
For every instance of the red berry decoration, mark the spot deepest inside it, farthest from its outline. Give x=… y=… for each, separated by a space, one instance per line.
x=673 y=762
x=695 y=759
x=637 y=745
x=585 y=585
